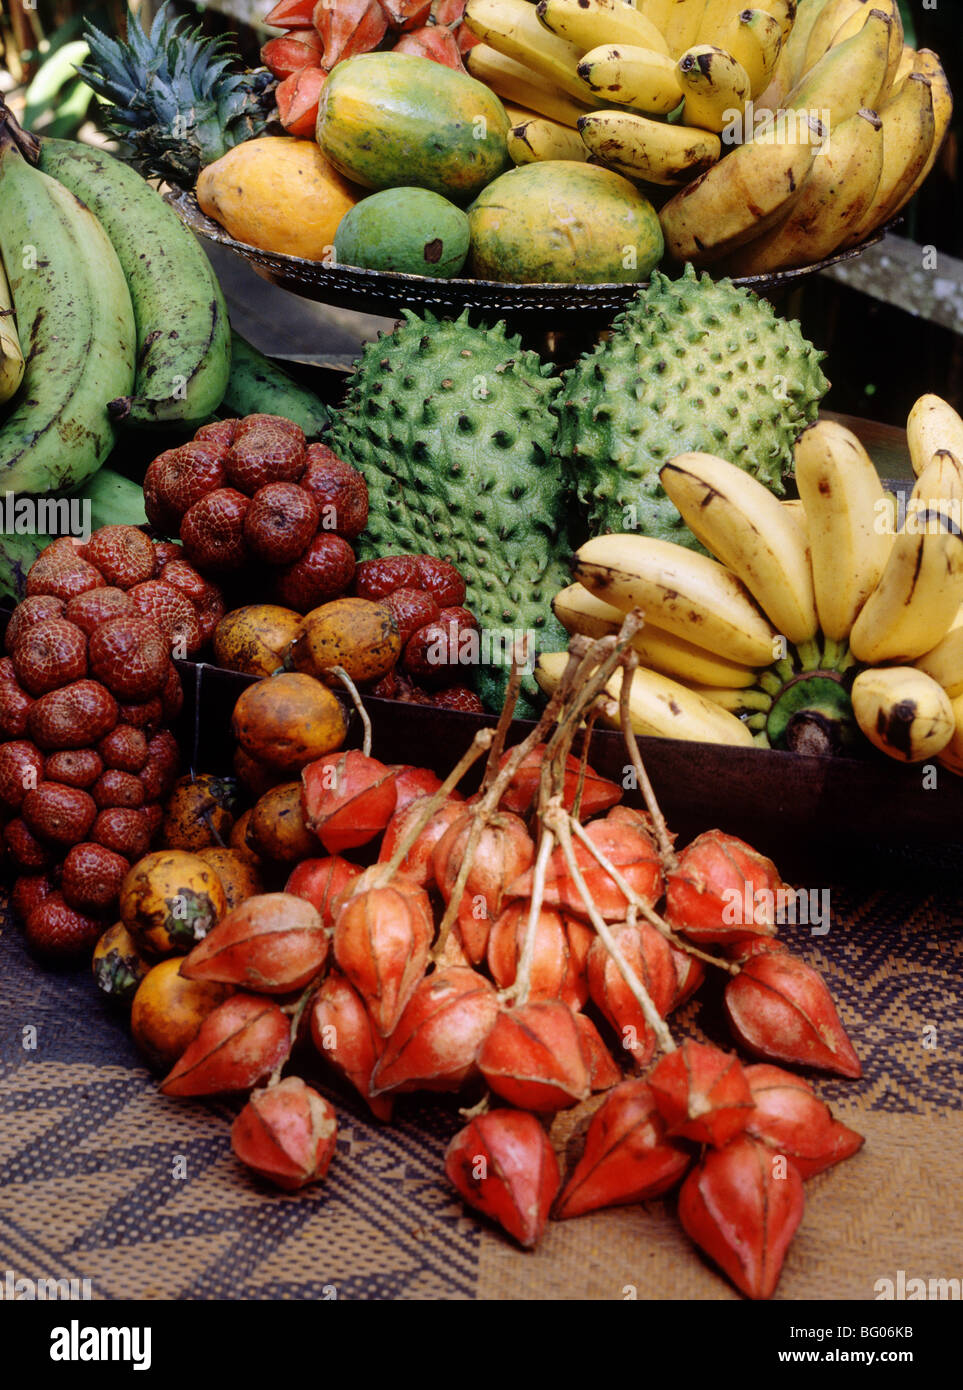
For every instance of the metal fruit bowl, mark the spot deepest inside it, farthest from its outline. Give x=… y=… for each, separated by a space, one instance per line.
x=562 y=307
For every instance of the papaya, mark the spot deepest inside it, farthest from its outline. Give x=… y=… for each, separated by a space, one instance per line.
x=279 y=194
x=409 y=230
x=391 y=119
x=562 y=221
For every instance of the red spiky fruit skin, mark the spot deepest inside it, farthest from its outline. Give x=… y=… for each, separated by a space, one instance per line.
x=503 y=1165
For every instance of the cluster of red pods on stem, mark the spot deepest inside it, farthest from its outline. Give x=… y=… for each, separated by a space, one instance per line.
x=547 y=891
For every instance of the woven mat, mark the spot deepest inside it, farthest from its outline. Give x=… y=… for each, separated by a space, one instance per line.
x=89 y=1151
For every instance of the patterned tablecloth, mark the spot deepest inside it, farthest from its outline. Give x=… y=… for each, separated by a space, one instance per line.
x=103 y=1178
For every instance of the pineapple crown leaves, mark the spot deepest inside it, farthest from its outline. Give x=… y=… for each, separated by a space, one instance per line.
x=171 y=96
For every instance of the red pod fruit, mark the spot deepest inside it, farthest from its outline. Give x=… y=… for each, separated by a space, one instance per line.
x=690 y=974
x=503 y=851
x=534 y=1058
x=417 y=863
x=319 y=881
x=741 y=1205
x=627 y=1156
x=347 y=799
x=237 y=1045
x=382 y=937
x=723 y=890
x=272 y=943
x=558 y=969
x=647 y=954
x=790 y=1118
x=344 y=1035
x=412 y=782
x=598 y=793
x=603 y=1072
x=435 y=1044
x=503 y=1165
x=628 y=848
x=780 y=1008
x=702 y=1093
x=287 y=1133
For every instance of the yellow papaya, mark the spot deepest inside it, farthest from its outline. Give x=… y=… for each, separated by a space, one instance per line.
x=279 y=194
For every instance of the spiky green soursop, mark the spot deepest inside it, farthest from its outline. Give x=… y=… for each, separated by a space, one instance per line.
x=450 y=426
x=692 y=365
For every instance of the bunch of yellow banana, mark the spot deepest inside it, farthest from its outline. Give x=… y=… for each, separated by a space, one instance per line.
x=812 y=122
x=811 y=621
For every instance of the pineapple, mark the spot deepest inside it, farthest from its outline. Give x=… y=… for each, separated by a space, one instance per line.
x=171 y=97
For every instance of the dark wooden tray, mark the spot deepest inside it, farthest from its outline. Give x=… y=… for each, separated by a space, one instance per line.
x=787 y=805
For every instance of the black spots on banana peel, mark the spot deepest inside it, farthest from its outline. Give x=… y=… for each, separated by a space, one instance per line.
x=895 y=726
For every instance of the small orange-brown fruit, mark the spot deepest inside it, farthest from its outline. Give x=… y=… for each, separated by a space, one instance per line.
x=289 y=720
x=253 y=639
x=168 y=1011
x=277 y=830
x=357 y=634
x=239 y=842
x=239 y=877
x=118 y=965
x=199 y=812
x=169 y=901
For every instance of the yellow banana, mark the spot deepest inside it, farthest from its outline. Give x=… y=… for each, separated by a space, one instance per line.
x=903 y=712
x=907 y=64
x=737 y=701
x=517 y=83
x=840 y=188
x=657 y=12
x=741 y=197
x=658 y=707
x=945 y=662
x=652 y=150
x=827 y=22
x=921 y=588
x=754 y=38
x=513 y=28
x=12 y=363
x=855 y=23
x=796 y=508
x=633 y=76
x=716 y=87
x=933 y=425
x=929 y=65
x=580 y=611
x=807 y=13
x=845 y=502
x=679 y=590
x=682 y=27
x=952 y=755
x=851 y=75
x=909 y=130
x=539 y=139
x=781 y=83
x=745 y=527
x=784 y=12
x=715 y=17
x=589 y=23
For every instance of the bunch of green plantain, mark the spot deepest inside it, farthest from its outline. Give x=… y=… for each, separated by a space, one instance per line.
x=778 y=132
x=811 y=624
x=110 y=316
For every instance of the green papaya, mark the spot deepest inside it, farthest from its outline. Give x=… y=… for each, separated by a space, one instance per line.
x=412 y=231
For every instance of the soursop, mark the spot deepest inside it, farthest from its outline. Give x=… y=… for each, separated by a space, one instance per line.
x=692 y=364
x=450 y=426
